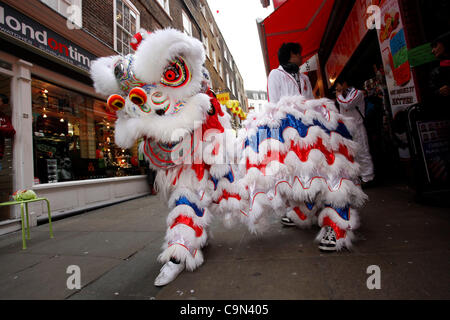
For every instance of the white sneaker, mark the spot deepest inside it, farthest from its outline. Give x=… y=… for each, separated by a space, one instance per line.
x=168 y=273
x=328 y=241
x=287 y=222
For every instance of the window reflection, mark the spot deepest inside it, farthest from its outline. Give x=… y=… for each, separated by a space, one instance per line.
x=73 y=137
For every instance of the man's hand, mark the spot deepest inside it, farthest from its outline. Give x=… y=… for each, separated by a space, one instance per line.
x=444 y=91
x=338 y=93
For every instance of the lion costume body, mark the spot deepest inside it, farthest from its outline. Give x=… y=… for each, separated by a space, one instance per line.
x=297 y=157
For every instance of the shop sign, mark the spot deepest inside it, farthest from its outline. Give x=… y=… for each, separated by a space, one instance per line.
x=394 y=52
x=351 y=36
x=310 y=65
x=223 y=97
x=421 y=55
x=20 y=27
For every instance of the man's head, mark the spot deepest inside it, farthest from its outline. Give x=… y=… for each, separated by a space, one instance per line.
x=290 y=52
x=341 y=85
x=440 y=46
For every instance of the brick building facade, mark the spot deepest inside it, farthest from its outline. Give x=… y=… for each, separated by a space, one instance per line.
x=192 y=16
x=64 y=146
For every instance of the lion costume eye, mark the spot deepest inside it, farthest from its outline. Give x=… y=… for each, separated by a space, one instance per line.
x=119 y=70
x=176 y=74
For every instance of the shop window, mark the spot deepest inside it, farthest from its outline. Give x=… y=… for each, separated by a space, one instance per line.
x=205 y=43
x=165 y=5
x=65 y=8
x=187 y=25
x=127 y=23
x=5 y=65
x=213 y=55
x=203 y=10
x=6 y=145
x=73 y=137
x=220 y=69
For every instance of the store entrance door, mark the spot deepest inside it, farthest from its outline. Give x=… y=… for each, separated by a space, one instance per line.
x=6 y=144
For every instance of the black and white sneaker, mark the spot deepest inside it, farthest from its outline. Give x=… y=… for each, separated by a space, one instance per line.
x=287 y=222
x=328 y=241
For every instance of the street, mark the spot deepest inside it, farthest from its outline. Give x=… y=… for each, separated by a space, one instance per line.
x=116 y=247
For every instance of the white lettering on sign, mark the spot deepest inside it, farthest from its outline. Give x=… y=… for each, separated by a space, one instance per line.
x=9 y=24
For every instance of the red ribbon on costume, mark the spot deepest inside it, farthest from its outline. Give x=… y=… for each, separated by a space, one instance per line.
x=226 y=195
x=339 y=232
x=300 y=214
x=190 y=223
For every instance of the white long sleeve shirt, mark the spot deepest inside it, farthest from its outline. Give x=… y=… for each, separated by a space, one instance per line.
x=348 y=105
x=280 y=84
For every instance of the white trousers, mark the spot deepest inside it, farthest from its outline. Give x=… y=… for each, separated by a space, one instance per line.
x=363 y=156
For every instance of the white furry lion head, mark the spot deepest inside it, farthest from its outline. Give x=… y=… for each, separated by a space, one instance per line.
x=157 y=92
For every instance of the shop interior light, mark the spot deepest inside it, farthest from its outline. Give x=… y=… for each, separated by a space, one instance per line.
x=45 y=116
x=61 y=120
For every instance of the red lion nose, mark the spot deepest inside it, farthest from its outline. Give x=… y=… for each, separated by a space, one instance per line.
x=116 y=102
x=138 y=96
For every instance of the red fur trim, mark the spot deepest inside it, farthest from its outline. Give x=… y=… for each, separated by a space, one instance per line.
x=300 y=214
x=339 y=232
x=190 y=223
x=302 y=154
x=226 y=195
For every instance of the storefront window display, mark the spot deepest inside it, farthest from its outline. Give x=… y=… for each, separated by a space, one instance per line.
x=7 y=133
x=73 y=137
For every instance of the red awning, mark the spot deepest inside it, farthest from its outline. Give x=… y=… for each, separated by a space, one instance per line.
x=302 y=21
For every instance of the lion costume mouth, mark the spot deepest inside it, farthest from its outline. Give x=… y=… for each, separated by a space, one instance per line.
x=169 y=155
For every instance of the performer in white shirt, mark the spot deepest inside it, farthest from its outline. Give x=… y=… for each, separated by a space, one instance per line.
x=352 y=104
x=287 y=80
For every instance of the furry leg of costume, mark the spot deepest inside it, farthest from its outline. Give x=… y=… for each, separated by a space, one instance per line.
x=186 y=234
x=343 y=221
x=303 y=214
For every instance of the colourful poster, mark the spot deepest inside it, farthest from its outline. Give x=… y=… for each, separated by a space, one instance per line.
x=394 y=51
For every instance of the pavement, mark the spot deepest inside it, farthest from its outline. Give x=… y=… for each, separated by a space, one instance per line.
x=116 y=248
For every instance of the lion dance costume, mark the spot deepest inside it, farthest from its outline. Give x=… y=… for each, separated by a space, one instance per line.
x=297 y=157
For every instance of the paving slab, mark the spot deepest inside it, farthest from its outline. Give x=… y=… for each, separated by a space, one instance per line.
x=118 y=245
x=48 y=279
x=116 y=248
x=132 y=279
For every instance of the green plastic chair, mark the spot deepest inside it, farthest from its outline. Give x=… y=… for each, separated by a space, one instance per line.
x=25 y=202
